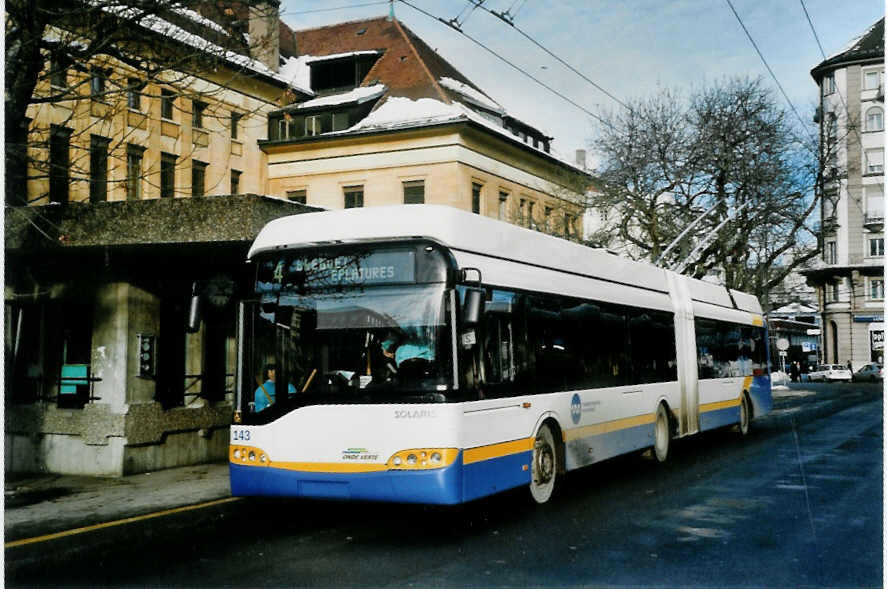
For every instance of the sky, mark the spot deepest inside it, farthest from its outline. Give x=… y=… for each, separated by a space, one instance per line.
x=627 y=47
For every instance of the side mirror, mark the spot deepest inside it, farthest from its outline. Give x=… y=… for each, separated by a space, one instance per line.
x=473 y=306
x=195 y=311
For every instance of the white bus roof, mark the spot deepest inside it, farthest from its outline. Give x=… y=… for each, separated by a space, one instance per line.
x=466 y=232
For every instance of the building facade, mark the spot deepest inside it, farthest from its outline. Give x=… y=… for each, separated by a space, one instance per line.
x=849 y=278
x=393 y=122
x=141 y=193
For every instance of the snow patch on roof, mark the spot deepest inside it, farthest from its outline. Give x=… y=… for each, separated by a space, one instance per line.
x=471 y=95
x=164 y=27
x=853 y=43
x=200 y=19
x=399 y=111
x=358 y=95
x=333 y=56
x=296 y=71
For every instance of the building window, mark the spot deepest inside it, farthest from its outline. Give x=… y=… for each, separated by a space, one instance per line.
x=414 y=192
x=98 y=168
x=503 y=205
x=547 y=219
x=235 y=182
x=874 y=202
x=313 y=125
x=198 y=178
x=134 y=93
x=58 y=71
x=876 y=247
x=874 y=161
x=97 y=80
x=59 y=163
x=353 y=197
x=340 y=121
x=167 y=103
x=134 y=156
x=874 y=119
x=197 y=109
x=828 y=84
x=167 y=175
x=235 y=123
x=300 y=196
x=834 y=342
x=831 y=252
x=871 y=80
x=531 y=214
x=833 y=292
x=475 y=197
x=876 y=289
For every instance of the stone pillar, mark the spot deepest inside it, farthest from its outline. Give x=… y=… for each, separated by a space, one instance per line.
x=122 y=311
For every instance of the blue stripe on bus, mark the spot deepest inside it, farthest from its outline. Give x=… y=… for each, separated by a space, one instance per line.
x=588 y=449
x=492 y=475
x=439 y=486
x=718 y=418
x=761 y=395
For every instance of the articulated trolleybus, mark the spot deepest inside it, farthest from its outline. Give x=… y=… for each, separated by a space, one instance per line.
x=423 y=354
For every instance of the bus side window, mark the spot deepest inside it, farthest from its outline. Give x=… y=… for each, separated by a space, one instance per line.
x=500 y=328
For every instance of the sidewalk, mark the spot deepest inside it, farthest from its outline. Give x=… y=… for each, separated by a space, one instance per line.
x=43 y=504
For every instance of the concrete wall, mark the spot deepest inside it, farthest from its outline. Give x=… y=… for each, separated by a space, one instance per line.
x=124 y=431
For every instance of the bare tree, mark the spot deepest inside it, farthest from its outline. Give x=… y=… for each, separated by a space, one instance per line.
x=726 y=157
x=58 y=52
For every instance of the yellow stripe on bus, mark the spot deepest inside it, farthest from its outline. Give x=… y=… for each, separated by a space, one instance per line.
x=608 y=426
x=497 y=450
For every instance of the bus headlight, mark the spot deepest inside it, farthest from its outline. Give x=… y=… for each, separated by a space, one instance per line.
x=422 y=458
x=249 y=455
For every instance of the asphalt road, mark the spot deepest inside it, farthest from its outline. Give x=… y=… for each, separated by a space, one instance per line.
x=797 y=503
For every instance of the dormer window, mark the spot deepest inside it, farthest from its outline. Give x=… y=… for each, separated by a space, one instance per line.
x=341 y=73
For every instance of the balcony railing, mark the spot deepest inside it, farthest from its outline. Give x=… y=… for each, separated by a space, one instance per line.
x=874 y=221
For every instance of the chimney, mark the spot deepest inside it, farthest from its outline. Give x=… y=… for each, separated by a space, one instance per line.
x=580 y=158
x=264 y=32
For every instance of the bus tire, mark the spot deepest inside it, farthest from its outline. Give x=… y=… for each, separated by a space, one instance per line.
x=661 y=433
x=544 y=467
x=744 y=415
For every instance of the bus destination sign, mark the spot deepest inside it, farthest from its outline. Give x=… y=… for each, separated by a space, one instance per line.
x=345 y=270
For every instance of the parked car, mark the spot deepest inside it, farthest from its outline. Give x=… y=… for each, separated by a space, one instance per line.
x=830 y=373
x=872 y=372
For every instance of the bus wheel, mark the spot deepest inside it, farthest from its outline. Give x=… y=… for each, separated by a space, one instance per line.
x=744 y=416
x=662 y=433
x=544 y=466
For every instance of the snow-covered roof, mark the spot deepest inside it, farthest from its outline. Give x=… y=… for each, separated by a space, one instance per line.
x=471 y=95
x=398 y=112
x=164 y=27
x=359 y=95
x=334 y=56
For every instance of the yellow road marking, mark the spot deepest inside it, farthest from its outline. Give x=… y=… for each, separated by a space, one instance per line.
x=119 y=522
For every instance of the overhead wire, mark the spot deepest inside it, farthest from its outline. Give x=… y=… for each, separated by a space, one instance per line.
x=766 y=65
x=509 y=63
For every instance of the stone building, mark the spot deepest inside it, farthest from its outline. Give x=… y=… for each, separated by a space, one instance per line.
x=850 y=277
x=138 y=198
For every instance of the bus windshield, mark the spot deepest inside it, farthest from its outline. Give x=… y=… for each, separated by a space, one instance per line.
x=362 y=345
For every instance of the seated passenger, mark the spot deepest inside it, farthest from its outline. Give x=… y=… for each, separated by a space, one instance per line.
x=264 y=396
